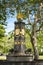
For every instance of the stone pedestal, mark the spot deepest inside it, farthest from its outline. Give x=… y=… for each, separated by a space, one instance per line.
x=20 y=57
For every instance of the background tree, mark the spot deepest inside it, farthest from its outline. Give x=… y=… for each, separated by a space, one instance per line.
x=24 y=7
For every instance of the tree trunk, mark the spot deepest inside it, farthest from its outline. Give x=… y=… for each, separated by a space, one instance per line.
x=34 y=44
x=34 y=41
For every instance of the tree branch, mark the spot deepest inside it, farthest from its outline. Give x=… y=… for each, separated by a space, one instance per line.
x=40 y=28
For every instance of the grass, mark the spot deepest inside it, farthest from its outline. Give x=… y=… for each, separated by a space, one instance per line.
x=40 y=57
x=2 y=57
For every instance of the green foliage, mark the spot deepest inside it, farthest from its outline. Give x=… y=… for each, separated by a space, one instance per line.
x=6 y=44
x=27 y=41
x=40 y=42
x=2 y=31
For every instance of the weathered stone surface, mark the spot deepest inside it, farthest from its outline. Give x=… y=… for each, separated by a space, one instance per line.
x=20 y=57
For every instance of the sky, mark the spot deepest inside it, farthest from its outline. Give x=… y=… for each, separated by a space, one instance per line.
x=10 y=24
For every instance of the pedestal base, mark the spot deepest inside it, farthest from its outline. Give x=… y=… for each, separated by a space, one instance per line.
x=20 y=58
